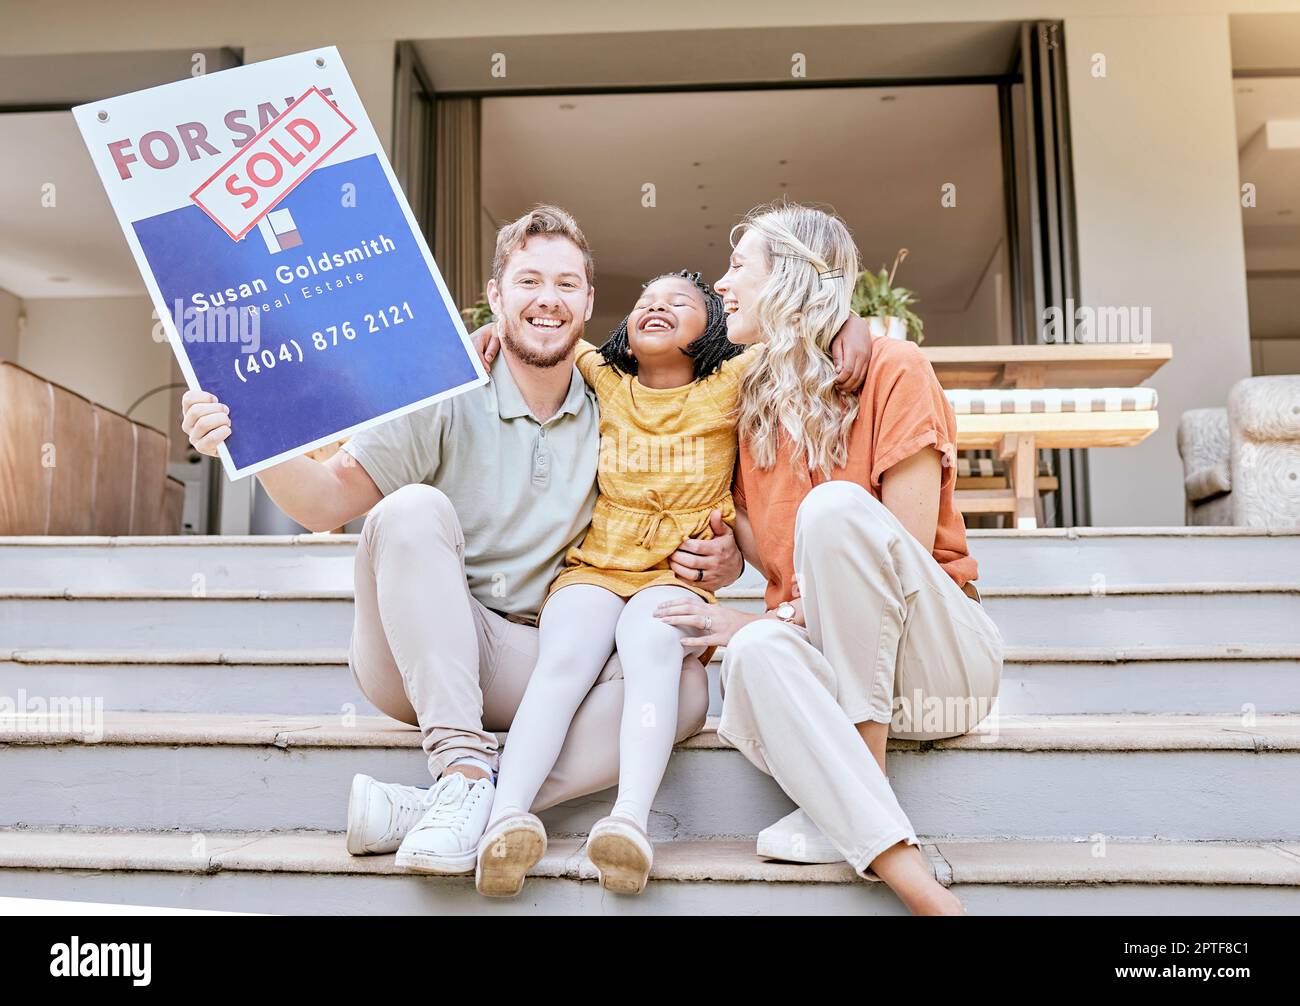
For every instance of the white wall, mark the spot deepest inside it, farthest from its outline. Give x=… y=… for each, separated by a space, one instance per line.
x=1275 y=322
x=1155 y=174
x=1270 y=357
x=1273 y=285
x=986 y=319
x=103 y=348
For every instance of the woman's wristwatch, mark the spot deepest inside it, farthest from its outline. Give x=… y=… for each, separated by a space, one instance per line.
x=785 y=611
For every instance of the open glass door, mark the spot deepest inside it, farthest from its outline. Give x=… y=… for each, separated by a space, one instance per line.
x=436 y=150
x=413 y=135
x=1041 y=224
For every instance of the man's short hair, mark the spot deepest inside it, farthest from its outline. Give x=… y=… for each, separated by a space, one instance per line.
x=541 y=219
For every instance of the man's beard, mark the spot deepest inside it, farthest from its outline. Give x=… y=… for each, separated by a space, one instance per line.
x=541 y=358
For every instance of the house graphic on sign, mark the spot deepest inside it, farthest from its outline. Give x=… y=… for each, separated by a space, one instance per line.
x=279 y=231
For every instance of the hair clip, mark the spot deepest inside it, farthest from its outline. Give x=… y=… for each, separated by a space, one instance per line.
x=831 y=274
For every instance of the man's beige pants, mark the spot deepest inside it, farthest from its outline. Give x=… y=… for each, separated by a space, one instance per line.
x=426 y=652
x=890 y=638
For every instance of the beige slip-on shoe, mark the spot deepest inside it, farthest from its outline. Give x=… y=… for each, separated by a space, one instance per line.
x=509 y=849
x=622 y=852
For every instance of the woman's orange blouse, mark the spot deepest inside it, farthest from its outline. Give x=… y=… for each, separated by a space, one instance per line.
x=903 y=410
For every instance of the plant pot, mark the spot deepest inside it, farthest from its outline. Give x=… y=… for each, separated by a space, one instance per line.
x=887 y=327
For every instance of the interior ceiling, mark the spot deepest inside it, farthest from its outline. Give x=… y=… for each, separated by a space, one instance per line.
x=1265 y=43
x=878 y=157
x=731 y=55
x=73 y=248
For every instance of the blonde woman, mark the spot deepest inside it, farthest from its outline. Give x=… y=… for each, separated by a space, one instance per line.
x=845 y=503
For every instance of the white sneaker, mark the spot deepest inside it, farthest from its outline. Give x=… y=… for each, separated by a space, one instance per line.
x=445 y=839
x=509 y=849
x=381 y=813
x=796 y=839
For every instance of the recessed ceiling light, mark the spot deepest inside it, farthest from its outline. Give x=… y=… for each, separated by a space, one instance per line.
x=695 y=164
x=704 y=207
x=566 y=107
x=699 y=186
x=708 y=227
x=1284 y=213
x=889 y=97
x=782 y=184
x=783 y=161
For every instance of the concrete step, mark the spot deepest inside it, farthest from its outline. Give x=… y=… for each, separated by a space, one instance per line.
x=1177 y=679
x=285 y=682
x=311 y=873
x=180 y=562
x=1179 y=777
x=1123 y=615
x=1036 y=680
x=1129 y=615
x=1073 y=557
x=1091 y=557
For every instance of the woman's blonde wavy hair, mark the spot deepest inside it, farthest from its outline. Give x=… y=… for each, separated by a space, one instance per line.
x=790 y=388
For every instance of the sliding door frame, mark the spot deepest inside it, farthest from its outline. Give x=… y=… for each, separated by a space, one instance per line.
x=414 y=96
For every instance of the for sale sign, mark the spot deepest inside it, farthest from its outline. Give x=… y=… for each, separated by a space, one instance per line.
x=285 y=265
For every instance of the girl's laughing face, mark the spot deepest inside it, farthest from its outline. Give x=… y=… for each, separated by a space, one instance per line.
x=668 y=317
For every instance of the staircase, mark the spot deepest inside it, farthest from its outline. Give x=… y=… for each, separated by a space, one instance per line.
x=1143 y=758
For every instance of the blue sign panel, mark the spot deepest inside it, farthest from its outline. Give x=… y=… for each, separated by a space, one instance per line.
x=337 y=318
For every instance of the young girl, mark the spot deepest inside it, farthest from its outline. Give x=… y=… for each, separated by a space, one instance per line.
x=667 y=382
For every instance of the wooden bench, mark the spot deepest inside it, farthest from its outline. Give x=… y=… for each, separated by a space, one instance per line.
x=986 y=473
x=1017 y=423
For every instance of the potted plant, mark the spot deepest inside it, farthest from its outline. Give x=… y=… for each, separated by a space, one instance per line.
x=478 y=315
x=886 y=307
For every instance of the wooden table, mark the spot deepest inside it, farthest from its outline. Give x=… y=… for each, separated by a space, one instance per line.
x=1067 y=365
x=1017 y=438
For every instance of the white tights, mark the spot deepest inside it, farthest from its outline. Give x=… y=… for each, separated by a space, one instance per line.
x=580 y=627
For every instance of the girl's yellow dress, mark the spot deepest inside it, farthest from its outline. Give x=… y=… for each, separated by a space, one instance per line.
x=666 y=461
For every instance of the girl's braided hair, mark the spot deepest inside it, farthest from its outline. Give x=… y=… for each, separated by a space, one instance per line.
x=709 y=351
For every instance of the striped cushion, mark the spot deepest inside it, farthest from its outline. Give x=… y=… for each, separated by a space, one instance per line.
x=996 y=401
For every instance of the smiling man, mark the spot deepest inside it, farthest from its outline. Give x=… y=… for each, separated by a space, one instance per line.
x=473 y=503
